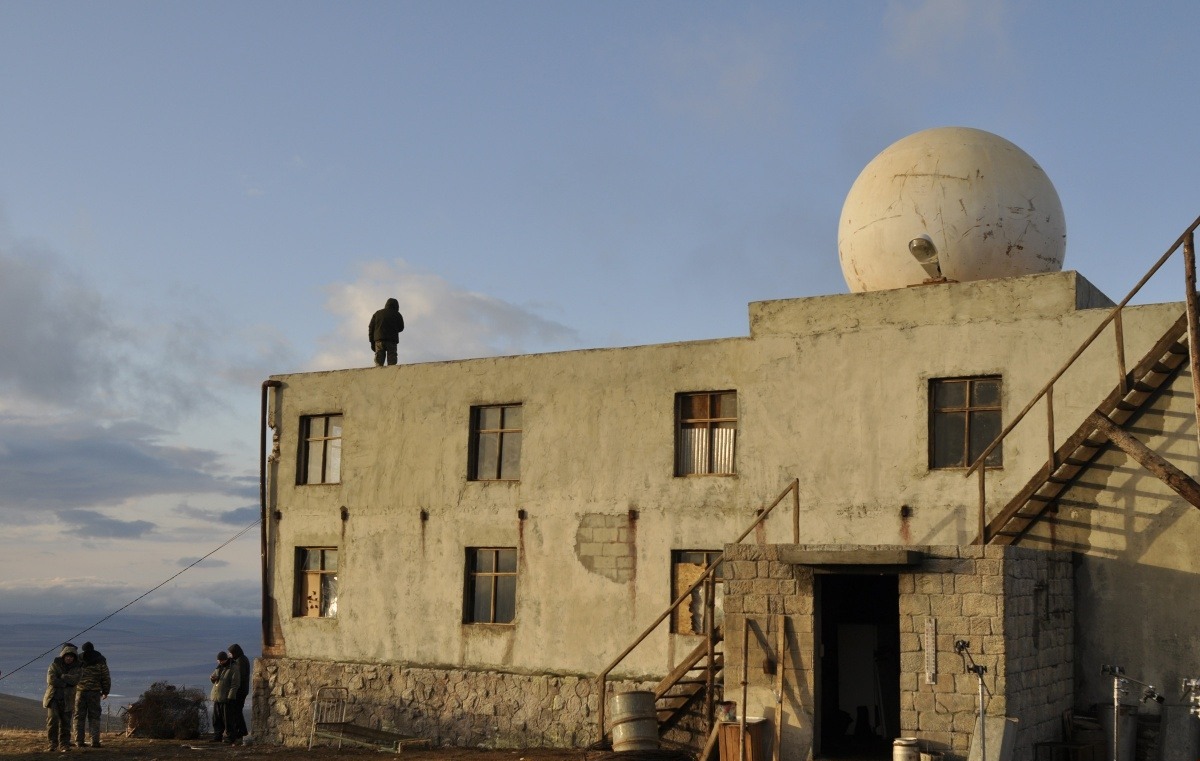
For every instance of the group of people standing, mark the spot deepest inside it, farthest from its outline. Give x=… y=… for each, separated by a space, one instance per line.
x=230 y=687
x=76 y=683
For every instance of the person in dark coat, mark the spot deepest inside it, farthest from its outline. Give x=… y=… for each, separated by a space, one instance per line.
x=224 y=680
x=237 y=707
x=94 y=684
x=59 y=701
x=384 y=332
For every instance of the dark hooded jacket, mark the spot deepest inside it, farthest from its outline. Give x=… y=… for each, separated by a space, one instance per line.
x=238 y=659
x=61 y=678
x=94 y=674
x=386 y=324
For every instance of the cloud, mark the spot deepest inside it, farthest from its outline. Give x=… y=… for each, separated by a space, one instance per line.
x=85 y=597
x=208 y=562
x=441 y=321
x=79 y=351
x=242 y=516
x=93 y=525
x=62 y=463
x=931 y=35
x=726 y=75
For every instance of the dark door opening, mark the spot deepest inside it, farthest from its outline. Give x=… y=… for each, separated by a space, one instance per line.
x=858 y=678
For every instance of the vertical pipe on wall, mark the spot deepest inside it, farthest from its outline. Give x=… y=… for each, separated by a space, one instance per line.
x=262 y=513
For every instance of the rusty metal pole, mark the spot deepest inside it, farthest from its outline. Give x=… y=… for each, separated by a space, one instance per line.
x=1193 y=327
x=796 y=511
x=780 y=665
x=982 y=509
x=710 y=615
x=745 y=689
x=1119 y=332
x=1053 y=459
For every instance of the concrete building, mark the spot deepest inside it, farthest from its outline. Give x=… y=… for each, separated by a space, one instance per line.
x=469 y=545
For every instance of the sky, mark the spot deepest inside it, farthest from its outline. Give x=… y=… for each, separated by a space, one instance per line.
x=197 y=196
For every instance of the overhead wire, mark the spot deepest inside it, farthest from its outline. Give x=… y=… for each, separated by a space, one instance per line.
x=148 y=592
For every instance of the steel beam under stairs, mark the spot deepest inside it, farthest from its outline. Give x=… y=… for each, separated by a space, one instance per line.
x=1147 y=379
x=681 y=689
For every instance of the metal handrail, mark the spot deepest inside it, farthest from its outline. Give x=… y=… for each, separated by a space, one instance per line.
x=602 y=679
x=1047 y=389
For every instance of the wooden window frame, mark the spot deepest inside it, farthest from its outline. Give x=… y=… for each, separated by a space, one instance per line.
x=709 y=424
x=506 y=438
x=323 y=440
x=969 y=410
x=310 y=586
x=474 y=577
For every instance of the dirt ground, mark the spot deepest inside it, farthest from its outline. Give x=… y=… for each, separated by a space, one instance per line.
x=28 y=744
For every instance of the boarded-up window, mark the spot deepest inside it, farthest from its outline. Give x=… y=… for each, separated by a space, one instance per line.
x=964 y=418
x=705 y=433
x=687 y=566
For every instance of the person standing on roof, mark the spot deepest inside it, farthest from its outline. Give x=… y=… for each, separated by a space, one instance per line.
x=384 y=332
x=59 y=701
x=94 y=684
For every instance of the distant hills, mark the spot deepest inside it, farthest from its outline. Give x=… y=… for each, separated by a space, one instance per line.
x=21 y=713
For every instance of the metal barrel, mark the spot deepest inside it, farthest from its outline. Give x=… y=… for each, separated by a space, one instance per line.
x=635 y=721
x=906 y=749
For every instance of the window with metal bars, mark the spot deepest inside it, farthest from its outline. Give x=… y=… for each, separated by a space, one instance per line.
x=320 y=449
x=964 y=418
x=491 y=588
x=705 y=433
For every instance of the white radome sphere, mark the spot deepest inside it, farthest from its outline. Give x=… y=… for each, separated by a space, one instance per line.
x=986 y=205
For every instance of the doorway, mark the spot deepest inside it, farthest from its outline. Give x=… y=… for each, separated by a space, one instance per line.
x=858 y=665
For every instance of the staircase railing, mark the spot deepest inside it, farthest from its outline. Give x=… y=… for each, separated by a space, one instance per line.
x=794 y=489
x=1186 y=241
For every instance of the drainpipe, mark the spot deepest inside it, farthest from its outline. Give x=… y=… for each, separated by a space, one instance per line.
x=262 y=517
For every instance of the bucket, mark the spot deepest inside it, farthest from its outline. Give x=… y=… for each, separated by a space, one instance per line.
x=635 y=722
x=905 y=749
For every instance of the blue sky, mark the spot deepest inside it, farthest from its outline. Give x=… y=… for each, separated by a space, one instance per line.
x=195 y=196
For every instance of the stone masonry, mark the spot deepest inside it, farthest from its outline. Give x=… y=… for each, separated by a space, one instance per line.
x=455 y=707
x=1014 y=605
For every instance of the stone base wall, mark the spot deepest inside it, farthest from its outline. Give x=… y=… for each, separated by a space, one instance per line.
x=462 y=708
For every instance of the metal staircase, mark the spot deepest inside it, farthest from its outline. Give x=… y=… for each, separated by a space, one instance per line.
x=698 y=675
x=1107 y=425
x=1121 y=407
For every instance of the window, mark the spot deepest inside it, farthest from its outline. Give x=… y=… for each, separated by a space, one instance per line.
x=964 y=418
x=706 y=425
x=686 y=567
x=320 y=449
x=316 y=582
x=491 y=589
x=496 y=443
